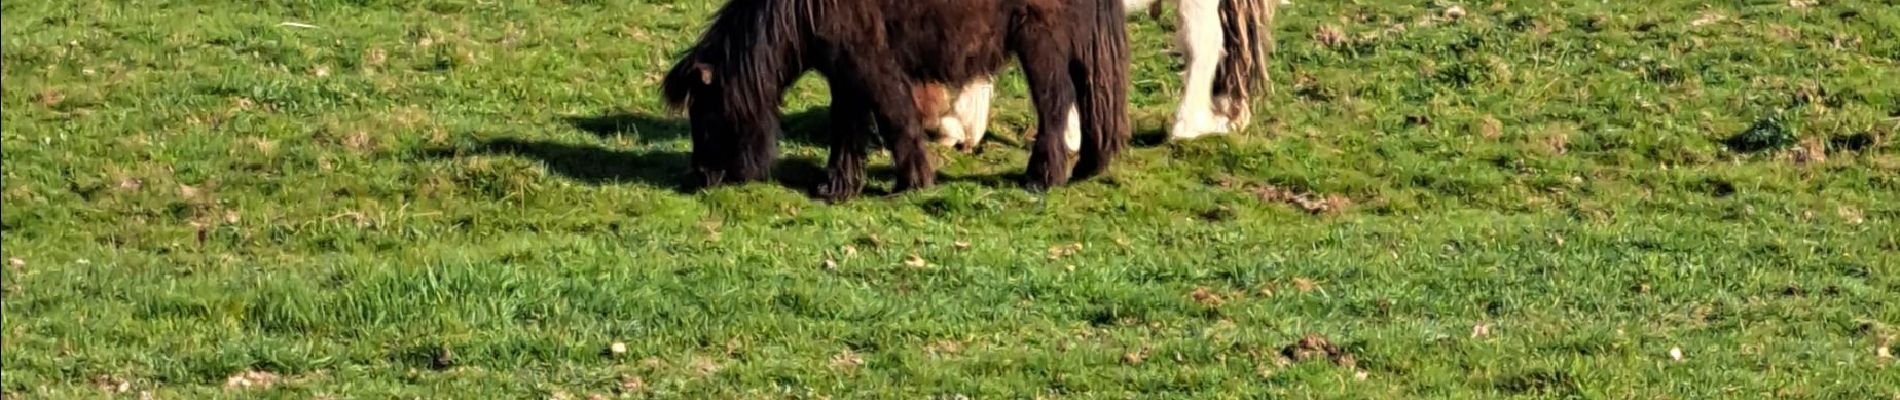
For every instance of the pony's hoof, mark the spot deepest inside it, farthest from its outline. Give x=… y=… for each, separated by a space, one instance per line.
x=1044 y=182
x=835 y=193
x=902 y=187
x=949 y=131
x=1193 y=128
x=972 y=142
x=1088 y=169
x=703 y=179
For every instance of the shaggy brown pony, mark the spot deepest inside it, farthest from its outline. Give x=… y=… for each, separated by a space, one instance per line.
x=875 y=54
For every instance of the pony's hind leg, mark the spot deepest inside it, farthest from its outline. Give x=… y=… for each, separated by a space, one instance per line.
x=1201 y=35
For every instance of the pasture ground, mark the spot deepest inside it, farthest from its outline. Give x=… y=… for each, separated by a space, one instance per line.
x=476 y=199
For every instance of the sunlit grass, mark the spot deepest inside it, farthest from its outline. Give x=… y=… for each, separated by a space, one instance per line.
x=478 y=199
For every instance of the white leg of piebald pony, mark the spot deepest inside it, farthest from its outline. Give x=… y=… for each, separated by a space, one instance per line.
x=972 y=110
x=1200 y=34
x=937 y=119
x=951 y=131
x=1135 y=6
x=1072 y=133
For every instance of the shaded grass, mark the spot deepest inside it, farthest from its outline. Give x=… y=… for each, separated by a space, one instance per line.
x=440 y=198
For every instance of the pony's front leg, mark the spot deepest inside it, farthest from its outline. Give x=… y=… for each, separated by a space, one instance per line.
x=898 y=120
x=1200 y=33
x=1053 y=91
x=904 y=136
x=851 y=126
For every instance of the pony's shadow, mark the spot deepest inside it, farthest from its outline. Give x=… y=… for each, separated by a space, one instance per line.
x=645 y=128
x=1149 y=138
x=595 y=165
x=808 y=127
x=585 y=163
x=663 y=167
x=657 y=167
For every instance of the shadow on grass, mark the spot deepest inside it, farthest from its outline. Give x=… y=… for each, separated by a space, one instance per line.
x=596 y=165
x=656 y=167
x=645 y=128
x=668 y=169
x=1149 y=138
x=808 y=127
x=1137 y=138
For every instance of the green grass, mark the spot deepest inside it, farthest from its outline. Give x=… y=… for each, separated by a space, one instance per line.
x=463 y=199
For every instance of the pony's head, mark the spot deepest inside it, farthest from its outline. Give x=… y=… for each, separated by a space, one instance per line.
x=729 y=85
x=734 y=128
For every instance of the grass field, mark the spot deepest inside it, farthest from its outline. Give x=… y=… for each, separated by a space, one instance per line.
x=477 y=199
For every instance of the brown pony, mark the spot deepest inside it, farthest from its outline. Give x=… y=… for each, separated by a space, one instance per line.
x=876 y=54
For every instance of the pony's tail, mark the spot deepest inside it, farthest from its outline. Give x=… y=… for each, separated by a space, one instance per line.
x=1248 y=29
x=1102 y=94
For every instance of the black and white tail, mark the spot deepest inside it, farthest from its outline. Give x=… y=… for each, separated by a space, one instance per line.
x=1247 y=27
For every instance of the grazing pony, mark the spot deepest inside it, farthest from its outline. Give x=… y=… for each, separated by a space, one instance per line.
x=876 y=54
x=1227 y=44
